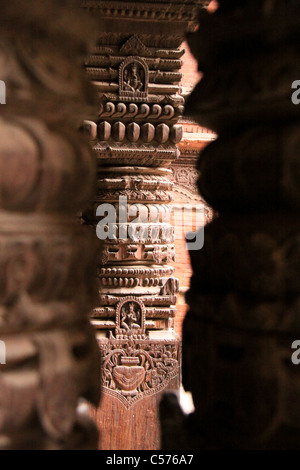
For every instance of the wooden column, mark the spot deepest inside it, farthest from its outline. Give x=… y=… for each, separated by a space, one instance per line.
x=244 y=296
x=135 y=67
x=47 y=175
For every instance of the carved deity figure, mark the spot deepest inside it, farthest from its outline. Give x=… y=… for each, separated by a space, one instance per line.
x=130 y=317
x=134 y=77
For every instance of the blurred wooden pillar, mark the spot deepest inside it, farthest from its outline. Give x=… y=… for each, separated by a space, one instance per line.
x=244 y=296
x=47 y=174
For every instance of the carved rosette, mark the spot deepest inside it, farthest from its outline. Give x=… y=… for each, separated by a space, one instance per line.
x=46 y=287
x=244 y=296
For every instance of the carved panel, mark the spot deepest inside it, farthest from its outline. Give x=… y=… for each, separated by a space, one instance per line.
x=134 y=370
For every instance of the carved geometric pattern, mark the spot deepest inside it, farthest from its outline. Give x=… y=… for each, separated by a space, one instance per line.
x=184 y=12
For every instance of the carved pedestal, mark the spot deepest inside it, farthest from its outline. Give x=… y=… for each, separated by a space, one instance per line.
x=136 y=70
x=46 y=176
x=244 y=296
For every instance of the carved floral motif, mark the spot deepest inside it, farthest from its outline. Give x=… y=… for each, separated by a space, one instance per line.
x=134 y=370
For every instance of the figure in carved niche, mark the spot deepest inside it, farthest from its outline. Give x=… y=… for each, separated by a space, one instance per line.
x=130 y=318
x=133 y=78
x=130 y=315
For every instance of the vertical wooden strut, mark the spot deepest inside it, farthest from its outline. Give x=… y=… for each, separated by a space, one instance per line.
x=135 y=67
x=244 y=296
x=47 y=175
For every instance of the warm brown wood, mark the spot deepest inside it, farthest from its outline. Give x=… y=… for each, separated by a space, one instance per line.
x=47 y=175
x=135 y=68
x=134 y=428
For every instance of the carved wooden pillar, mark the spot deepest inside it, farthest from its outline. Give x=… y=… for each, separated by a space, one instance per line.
x=136 y=70
x=244 y=296
x=47 y=175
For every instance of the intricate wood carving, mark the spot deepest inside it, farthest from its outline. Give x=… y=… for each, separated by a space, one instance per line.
x=46 y=285
x=135 y=68
x=134 y=367
x=133 y=370
x=133 y=79
x=183 y=13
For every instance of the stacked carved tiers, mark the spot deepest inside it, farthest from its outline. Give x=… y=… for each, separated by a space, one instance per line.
x=46 y=286
x=244 y=295
x=140 y=103
x=135 y=68
x=138 y=266
x=135 y=139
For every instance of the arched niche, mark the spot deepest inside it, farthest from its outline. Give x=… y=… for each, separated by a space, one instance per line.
x=133 y=79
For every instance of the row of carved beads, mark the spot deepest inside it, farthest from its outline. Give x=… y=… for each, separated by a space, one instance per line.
x=133 y=132
x=139 y=112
